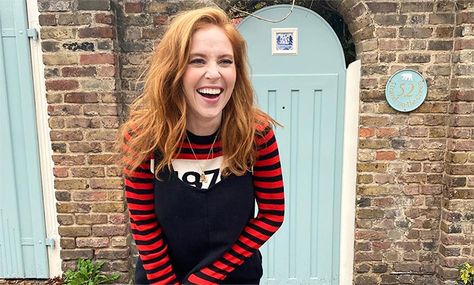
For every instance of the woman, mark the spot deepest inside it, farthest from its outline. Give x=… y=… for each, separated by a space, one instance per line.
x=198 y=153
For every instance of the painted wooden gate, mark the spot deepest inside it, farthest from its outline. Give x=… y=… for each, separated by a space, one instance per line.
x=22 y=230
x=304 y=91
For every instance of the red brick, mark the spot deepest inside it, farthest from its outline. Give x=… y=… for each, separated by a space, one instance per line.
x=161 y=20
x=110 y=146
x=75 y=231
x=114 y=171
x=407 y=267
x=441 y=18
x=62 y=84
x=115 y=195
x=66 y=160
x=366 y=132
x=102 y=18
x=88 y=172
x=109 y=230
x=81 y=97
x=460 y=169
x=133 y=7
x=93 y=242
x=109 y=183
x=386 y=132
x=411 y=189
x=60 y=172
x=91 y=219
x=97 y=58
x=460 y=145
x=70 y=184
x=66 y=135
x=106 y=71
x=118 y=219
x=391 y=45
x=466 y=17
x=113 y=254
x=102 y=135
x=408 y=246
x=102 y=109
x=102 y=159
x=120 y=242
x=368 y=256
x=110 y=122
x=64 y=110
x=68 y=207
x=358 y=10
x=74 y=254
x=63 y=196
x=96 y=32
x=411 y=7
x=53 y=98
x=78 y=71
x=59 y=147
x=47 y=20
x=109 y=98
x=385 y=155
x=89 y=195
x=370 y=235
x=67 y=243
x=383 y=7
x=108 y=207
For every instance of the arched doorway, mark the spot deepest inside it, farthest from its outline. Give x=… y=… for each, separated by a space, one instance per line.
x=299 y=75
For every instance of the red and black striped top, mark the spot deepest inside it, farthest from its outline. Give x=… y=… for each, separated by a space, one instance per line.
x=148 y=235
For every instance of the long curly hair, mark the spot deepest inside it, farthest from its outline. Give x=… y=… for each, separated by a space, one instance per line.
x=157 y=119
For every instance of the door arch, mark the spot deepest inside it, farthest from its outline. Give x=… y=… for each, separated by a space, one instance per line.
x=305 y=91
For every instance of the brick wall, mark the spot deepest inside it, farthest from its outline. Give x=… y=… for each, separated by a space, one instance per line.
x=410 y=226
x=415 y=201
x=80 y=56
x=457 y=217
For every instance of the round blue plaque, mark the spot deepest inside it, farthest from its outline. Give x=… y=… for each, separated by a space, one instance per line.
x=406 y=90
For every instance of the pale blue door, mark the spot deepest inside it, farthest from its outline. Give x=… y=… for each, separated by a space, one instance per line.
x=304 y=91
x=22 y=228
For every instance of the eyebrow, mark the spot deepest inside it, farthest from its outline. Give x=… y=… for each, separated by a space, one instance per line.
x=203 y=55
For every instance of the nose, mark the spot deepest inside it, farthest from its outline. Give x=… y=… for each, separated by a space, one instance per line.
x=212 y=72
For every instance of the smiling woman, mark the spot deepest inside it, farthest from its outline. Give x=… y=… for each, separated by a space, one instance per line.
x=209 y=79
x=197 y=155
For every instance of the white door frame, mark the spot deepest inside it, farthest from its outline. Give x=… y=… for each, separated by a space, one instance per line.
x=349 y=173
x=44 y=143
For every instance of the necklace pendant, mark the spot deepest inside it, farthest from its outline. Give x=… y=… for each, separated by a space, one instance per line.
x=203 y=178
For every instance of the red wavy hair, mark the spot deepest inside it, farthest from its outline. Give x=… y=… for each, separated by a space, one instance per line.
x=157 y=120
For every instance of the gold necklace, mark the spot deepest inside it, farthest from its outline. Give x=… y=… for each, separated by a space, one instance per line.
x=202 y=176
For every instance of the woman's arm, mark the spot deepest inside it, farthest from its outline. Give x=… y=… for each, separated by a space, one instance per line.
x=268 y=185
x=146 y=231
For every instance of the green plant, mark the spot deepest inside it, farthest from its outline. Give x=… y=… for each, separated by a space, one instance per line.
x=88 y=273
x=466 y=274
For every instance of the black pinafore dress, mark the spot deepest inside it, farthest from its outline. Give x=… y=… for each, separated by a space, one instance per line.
x=200 y=225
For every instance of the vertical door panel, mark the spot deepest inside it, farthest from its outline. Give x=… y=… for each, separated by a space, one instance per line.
x=304 y=249
x=22 y=239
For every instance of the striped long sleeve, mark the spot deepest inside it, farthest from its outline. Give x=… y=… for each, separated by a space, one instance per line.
x=146 y=231
x=268 y=186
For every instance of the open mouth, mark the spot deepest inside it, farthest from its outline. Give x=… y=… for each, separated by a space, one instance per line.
x=210 y=92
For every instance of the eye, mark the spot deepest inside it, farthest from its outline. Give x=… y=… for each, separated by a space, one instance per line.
x=197 y=61
x=226 y=61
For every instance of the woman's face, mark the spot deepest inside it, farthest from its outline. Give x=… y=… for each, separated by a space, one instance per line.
x=209 y=78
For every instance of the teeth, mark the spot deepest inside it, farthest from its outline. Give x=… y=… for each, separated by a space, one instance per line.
x=211 y=91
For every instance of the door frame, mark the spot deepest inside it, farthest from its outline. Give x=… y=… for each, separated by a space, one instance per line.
x=44 y=142
x=349 y=173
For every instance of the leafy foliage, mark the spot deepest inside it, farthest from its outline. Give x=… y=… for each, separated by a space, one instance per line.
x=88 y=273
x=466 y=274
x=325 y=8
